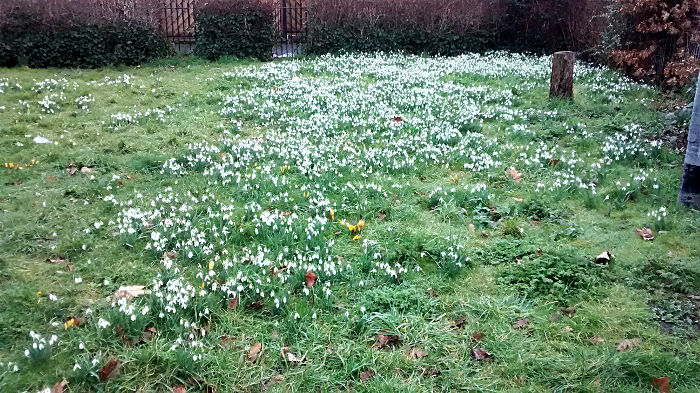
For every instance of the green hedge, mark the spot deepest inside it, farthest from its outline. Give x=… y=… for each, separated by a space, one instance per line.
x=332 y=39
x=82 y=46
x=244 y=31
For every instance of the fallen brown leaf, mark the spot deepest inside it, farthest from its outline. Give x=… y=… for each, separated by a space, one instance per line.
x=290 y=357
x=645 y=233
x=148 y=333
x=86 y=170
x=555 y=317
x=70 y=267
x=513 y=174
x=272 y=381
x=518 y=199
x=596 y=340
x=131 y=291
x=226 y=342
x=58 y=386
x=56 y=260
x=71 y=169
x=568 y=311
x=662 y=383
x=471 y=227
x=385 y=339
x=232 y=303
x=477 y=336
x=480 y=354
x=414 y=353
x=180 y=388
x=459 y=323
x=110 y=370
x=310 y=278
x=256 y=305
x=367 y=375
x=521 y=323
x=254 y=353
x=381 y=217
x=624 y=345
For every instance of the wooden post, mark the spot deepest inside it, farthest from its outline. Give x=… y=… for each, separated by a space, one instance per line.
x=562 y=82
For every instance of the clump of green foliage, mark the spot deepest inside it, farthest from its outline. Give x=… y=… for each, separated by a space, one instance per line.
x=559 y=274
x=29 y=40
x=242 y=29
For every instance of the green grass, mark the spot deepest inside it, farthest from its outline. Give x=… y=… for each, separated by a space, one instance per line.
x=481 y=255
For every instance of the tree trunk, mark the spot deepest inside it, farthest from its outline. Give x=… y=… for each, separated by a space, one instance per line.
x=562 y=82
x=690 y=183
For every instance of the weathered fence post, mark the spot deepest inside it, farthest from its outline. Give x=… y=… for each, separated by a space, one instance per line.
x=689 y=193
x=562 y=82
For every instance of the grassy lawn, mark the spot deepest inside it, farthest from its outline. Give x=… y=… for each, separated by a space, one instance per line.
x=354 y=224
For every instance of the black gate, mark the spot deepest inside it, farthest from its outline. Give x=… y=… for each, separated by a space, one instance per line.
x=290 y=27
x=178 y=24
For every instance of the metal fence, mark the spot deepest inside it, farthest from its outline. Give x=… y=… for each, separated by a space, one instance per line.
x=178 y=24
x=290 y=27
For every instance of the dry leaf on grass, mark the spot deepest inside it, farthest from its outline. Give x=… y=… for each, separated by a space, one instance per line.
x=518 y=199
x=386 y=339
x=477 y=336
x=568 y=311
x=290 y=357
x=254 y=353
x=232 y=303
x=481 y=354
x=521 y=323
x=596 y=340
x=179 y=389
x=624 y=345
x=131 y=291
x=56 y=260
x=310 y=278
x=645 y=233
x=86 y=170
x=58 y=386
x=272 y=381
x=110 y=370
x=513 y=174
x=256 y=305
x=381 y=217
x=414 y=353
x=663 y=383
x=459 y=323
x=71 y=169
x=367 y=375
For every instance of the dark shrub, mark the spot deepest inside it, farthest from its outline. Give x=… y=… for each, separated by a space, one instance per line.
x=242 y=28
x=64 y=35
